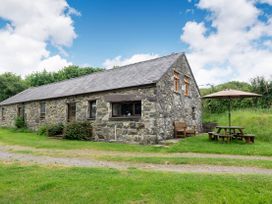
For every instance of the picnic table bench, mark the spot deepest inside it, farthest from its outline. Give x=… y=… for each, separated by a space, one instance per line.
x=229 y=133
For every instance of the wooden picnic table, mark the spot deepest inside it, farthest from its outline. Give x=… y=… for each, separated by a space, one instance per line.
x=230 y=130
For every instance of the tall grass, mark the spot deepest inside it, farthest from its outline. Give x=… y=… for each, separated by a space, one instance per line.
x=255 y=121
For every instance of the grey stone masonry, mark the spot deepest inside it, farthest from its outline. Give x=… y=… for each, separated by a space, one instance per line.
x=161 y=105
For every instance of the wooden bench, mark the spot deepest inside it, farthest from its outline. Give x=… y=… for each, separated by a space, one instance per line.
x=181 y=130
x=213 y=135
x=249 y=138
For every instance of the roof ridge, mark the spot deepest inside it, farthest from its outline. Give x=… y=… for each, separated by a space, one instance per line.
x=105 y=70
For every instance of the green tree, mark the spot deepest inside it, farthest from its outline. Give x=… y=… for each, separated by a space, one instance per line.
x=264 y=87
x=40 y=78
x=73 y=72
x=10 y=84
x=221 y=105
x=45 y=77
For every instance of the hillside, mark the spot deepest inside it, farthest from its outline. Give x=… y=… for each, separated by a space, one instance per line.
x=256 y=121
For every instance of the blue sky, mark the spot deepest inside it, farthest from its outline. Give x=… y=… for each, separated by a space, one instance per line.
x=110 y=28
x=223 y=41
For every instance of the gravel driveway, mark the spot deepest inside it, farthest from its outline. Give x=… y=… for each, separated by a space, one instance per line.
x=7 y=156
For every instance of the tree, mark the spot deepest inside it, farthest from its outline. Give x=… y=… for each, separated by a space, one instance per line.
x=219 y=105
x=40 y=78
x=261 y=86
x=44 y=77
x=73 y=72
x=10 y=84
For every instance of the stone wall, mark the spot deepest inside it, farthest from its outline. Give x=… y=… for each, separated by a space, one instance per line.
x=161 y=106
x=141 y=130
x=174 y=106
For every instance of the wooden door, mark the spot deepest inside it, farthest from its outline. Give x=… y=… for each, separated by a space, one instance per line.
x=71 y=116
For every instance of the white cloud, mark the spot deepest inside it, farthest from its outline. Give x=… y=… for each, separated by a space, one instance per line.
x=53 y=63
x=30 y=27
x=120 y=61
x=229 y=44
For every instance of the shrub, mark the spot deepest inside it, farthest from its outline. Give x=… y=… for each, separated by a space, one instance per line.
x=54 y=130
x=78 y=131
x=20 y=123
x=42 y=130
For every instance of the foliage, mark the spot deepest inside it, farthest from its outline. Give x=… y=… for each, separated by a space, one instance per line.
x=261 y=86
x=255 y=121
x=258 y=85
x=10 y=84
x=42 y=130
x=78 y=131
x=45 y=77
x=54 y=129
x=20 y=123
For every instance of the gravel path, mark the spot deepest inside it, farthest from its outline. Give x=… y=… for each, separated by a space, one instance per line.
x=75 y=162
x=87 y=152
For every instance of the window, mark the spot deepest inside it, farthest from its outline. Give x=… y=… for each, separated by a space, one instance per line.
x=193 y=113
x=42 y=109
x=126 y=109
x=21 y=111
x=71 y=116
x=176 y=81
x=92 y=109
x=187 y=83
x=3 y=113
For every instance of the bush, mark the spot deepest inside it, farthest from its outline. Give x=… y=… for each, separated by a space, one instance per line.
x=78 y=131
x=54 y=130
x=20 y=123
x=42 y=130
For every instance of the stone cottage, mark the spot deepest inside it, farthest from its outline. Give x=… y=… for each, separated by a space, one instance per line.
x=133 y=103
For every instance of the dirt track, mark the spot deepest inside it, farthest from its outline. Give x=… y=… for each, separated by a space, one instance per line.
x=7 y=156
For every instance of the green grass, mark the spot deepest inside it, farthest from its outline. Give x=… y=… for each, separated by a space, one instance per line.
x=256 y=121
x=199 y=144
x=33 y=184
x=189 y=160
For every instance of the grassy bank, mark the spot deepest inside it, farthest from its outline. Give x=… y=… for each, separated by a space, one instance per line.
x=33 y=184
x=199 y=144
x=256 y=121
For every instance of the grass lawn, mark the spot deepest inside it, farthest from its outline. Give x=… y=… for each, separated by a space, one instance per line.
x=34 y=184
x=193 y=144
x=191 y=160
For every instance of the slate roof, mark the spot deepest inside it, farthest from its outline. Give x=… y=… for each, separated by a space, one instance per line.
x=141 y=73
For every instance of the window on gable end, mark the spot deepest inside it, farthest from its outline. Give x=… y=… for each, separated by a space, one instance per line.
x=176 y=81
x=187 y=85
